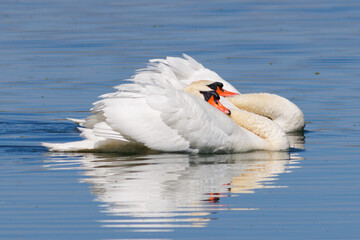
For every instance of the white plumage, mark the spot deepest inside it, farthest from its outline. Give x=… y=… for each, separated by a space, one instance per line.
x=154 y=113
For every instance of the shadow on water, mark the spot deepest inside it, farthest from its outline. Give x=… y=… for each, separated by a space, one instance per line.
x=161 y=192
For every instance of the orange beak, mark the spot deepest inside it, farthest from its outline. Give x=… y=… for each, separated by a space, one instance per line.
x=218 y=105
x=225 y=93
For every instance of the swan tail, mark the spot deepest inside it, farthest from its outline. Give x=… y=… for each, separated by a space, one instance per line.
x=107 y=146
x=78 y=146
x=77 y=121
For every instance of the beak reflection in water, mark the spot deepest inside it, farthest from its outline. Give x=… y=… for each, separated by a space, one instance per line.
x=167 y=191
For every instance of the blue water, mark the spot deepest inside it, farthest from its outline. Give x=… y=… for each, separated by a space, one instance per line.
x=58 y=56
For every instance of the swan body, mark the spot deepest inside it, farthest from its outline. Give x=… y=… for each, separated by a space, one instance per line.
x=162 y=110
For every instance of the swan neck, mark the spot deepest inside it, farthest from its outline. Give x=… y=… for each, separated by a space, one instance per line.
x=279 y=109
x=263 y=127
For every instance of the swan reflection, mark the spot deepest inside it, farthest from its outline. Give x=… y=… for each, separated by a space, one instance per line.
x=166 y=191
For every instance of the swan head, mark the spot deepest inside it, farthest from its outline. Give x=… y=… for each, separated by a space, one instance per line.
x=203 y=91
x=218 y=87
x=214 y=99
x=211 y=92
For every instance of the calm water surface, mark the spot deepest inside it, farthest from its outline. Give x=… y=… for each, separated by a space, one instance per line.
x=58 y=56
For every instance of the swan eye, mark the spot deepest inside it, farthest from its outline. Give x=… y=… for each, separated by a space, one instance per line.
x=216 y=98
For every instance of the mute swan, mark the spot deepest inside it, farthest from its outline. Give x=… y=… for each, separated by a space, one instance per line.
x=163 y=109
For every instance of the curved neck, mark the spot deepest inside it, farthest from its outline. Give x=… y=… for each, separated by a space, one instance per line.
x=263 y=127
x=285 y=113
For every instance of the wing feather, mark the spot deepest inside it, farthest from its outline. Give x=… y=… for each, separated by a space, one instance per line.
x=138 y=122
x=203 y=126
x=153 y=111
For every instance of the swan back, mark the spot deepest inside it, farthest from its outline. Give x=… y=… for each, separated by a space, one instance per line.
x=182 y=72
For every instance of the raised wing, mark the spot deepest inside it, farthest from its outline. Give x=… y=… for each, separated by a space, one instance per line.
x=165 y=119
x=128 y=113
x=181 y=72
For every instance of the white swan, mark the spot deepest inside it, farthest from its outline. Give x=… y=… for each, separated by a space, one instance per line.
x=159 y=112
